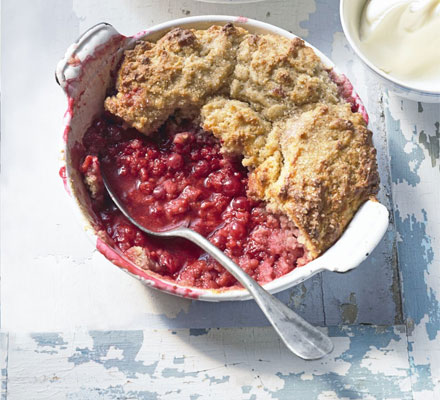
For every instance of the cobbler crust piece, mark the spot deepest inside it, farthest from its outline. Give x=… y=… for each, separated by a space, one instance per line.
x=177 y=73
x=270 y=100
x=323 y=171
x=185 y=67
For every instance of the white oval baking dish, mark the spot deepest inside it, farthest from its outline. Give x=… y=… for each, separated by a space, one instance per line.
x=85 y=72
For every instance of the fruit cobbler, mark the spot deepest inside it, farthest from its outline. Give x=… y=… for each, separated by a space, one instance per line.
x=247 y=139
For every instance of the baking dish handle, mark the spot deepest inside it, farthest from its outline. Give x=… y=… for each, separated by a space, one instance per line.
x=68 y=68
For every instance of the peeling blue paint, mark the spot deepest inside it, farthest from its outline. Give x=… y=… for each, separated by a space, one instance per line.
x=178 y=360
x=176 y=373
x=316 y=35
x=416 y=255
x=246 y=389
x=401 y=168
x=215 y=380
x=358 y=381
x=166 y=394
x=48 y=339
x=116 y=392
x=354 y=384
x=52 y=340
x=432 y=144
x=415 y=251
x=421 y=376
x=129 y=342
x=433 y=324
x=4 y=360
x=194 y=396
x=4 y=386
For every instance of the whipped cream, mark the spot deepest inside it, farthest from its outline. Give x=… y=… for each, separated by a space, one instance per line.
x=402 y=38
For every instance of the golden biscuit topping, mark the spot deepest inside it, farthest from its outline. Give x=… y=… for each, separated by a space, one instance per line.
x=268 y=99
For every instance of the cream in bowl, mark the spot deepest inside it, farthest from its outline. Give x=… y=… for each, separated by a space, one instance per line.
x=205 y=123
x=400 y=40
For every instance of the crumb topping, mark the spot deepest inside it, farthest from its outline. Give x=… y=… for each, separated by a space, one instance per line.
x=268 y=99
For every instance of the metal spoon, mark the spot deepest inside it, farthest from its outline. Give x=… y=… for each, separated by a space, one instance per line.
x=298 y=335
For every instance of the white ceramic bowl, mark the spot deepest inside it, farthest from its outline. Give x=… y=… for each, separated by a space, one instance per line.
x=85 y=73
x=350 y=14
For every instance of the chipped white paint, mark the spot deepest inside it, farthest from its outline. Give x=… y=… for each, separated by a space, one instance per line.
x=242 y=362
x=409 y=148
x=417 y=196
x=395 y=365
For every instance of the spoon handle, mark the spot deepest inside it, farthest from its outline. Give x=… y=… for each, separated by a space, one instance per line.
x=298 y=335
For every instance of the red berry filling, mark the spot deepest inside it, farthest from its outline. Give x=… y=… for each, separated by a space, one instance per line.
x=179 y=176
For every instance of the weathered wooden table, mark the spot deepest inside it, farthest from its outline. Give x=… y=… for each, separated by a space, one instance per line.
x=75 y=327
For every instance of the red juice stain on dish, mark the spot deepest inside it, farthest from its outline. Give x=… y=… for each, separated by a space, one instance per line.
x=141 y=34
x=241 y=20
x=346 y=91
x=74 y=61
x=63 y=175
x=79 y=66
x=68 y=118
x=179 y=176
